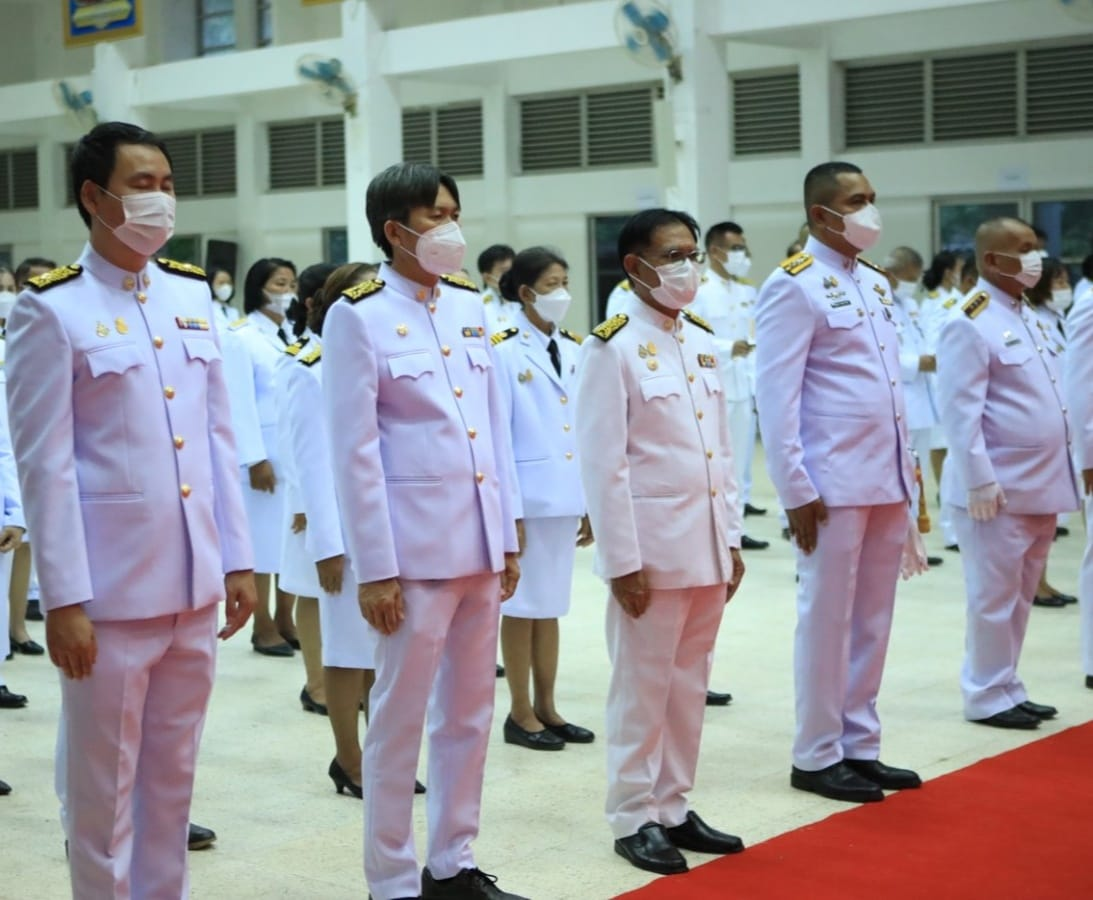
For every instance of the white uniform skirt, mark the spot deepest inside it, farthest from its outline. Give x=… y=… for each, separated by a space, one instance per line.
x=298 y=573
x=546 y=569
x=265 y=512
x=349 y=642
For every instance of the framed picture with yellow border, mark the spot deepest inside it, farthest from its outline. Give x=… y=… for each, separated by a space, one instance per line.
x=90 y=21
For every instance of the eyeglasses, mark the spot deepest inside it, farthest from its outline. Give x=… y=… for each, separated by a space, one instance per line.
x=673 y=257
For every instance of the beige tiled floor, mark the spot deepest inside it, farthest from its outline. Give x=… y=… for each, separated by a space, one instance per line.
x=262 y=780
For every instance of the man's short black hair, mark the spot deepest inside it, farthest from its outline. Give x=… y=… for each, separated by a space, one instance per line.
x=22 y=271
x=399 y=189
x=492 y=255
x=637 y=232
x=822 y=182
x=95 y=154
x=721 y=228
x=257 y=276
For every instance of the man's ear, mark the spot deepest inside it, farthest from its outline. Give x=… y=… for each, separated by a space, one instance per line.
x=90 y=197
x=393 y=233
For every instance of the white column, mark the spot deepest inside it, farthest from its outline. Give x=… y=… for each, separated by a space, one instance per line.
x=112 y=87
x=373 y=137
x=817 y=107
x=251 y=165
x=495 y=211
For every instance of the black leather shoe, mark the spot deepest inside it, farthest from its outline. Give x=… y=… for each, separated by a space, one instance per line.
x=500 y=670
x=954 y=548
x=419 y=788
x=1066 y=598
x=310 y=704
x=469 y=884
x=888 y=778
x=8 y=700
x=342 y=781
x=750 y=510
x=283 y=649
x=1011 y=718
x=27 y=647
x=651 y=849
x=932 y=561
x=696 y=835
x=34 y=611
x=572 y=734
x=785 y=534
x=293 y=642
x=713 y=698
x=533 y=740
x=750 y=543
x=1062 y=531
x=200 y=837
x=837 y=782
x=1038 y=709
x=1089 y=682
x=5 y=788
x=1052 y=601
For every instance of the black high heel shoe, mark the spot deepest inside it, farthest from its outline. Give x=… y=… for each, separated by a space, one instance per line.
x=310 y=704
x=342 y=781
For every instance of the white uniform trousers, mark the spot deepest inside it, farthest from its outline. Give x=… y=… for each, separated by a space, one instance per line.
x=845 y=598
x=546 y=569
x=131 y=732
x=743 y=430
x=656 y=703
x=349 y=642
x=446 y=646
x=1003 y=560
x=5 y=609
x=1085 y=592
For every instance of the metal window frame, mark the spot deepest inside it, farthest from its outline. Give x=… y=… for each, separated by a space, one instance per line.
x=202 y=17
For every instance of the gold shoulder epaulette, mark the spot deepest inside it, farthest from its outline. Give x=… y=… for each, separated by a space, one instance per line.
x=311 y=357
x=362 y=290
x=569 y=334
x=55 y=277
x=976 y=304
x=624 y=284
x=746 y=281
x=872 y=265
x=294 y=349
x=950 y=303
x=460 y=282
x=500 y=336
x=795 y=265
x=181 y=268
x=238 y=323
x=697 y=320
x=933 y=295
x=607 y=330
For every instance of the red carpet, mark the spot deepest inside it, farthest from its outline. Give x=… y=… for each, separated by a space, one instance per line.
x=1013 y=827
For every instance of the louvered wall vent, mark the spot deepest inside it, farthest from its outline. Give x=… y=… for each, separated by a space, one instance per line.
x=306 y=154
x=1059 y=89
x=766 y=113
x=449 y=137
x=975 y=97
x=885 y=104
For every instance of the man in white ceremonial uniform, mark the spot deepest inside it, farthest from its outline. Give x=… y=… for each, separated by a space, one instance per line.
x=425 y=482
x=1079 y=398
x=656 y=464
x=832 y=415
x=1009 y=469
x=122 y=433
x=493 y=262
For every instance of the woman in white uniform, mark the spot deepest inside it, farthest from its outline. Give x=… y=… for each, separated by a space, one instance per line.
x=252 y=349
x=222 y=287
x=537 y=362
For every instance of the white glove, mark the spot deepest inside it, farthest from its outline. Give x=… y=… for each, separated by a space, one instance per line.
x=985 y=502
x=913 y=560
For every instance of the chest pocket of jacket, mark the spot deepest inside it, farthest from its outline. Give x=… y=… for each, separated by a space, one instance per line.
x=115 y=359
x=479 y=358
x=844 y=318
x=1017 y=355
x=713 y=383
x=203 y=349
x=661 y=387
x=413 y=364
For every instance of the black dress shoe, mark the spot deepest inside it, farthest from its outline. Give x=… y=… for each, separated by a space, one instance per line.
x=837 y=782
x=651 y=849
x=419 y=788
x=713 y=698
x=1062 y=531
x=934 y=561
x=1011 y=718
x=500 y=670
x=1066 y=598
x=572 y=734
x=750 y=543
x=283 y=649
x=1038 y=709
x=750 y=510
x=27 y=647
x=1051 y=601
x=34 y=611
x=342 y=781
x=200 y=837
x=8 y=700
x=955 y=548
x=533 y=740
x=310 y=704
x=5 y=788
x=1089 y=682
x=696 y=835
x=469 y=884
x=785 y=534
x=293 y=642
x=887 y=777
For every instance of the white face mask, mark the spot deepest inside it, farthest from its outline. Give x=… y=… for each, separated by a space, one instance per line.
x=553 y=306
x=7 y=301
x=738 y=263
x=1060 y=300
x=678 y=283
x=279 y=303
x=149 y=220
x=906 y=288
x=224 y=292
x=1032 y=267
x=861 y=228
x=440 y=250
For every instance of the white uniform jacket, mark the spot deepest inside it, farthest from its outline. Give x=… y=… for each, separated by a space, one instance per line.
x=828 y=391
x=122 y=432
x=729 y=308
x=1079 y=380
x=540 y=415
x=251 y=360
x=9 y=476
x=500 y=313
x=1002 y=406
x=422 y=460
x=654 y=449
x=918 y=393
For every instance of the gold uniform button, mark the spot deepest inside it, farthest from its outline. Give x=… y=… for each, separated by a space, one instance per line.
x=421 y=295
x=472 y=433
x=681 y=338
x=564 y=400
x=185 y=491
x=142 y=297
x=882 y=346
x=129 y=283
x=169 y=393
x=446 y=350
x=432 y=307
x=179 y=442
x=157 y=342
x=713 y=493
x=898 y=417
x=709 y=454
x=893 y=382
x=700 y=414
x=569 y=455
x=565 y=427
x=691 y=377
x=479 y=477
x=458 y=391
